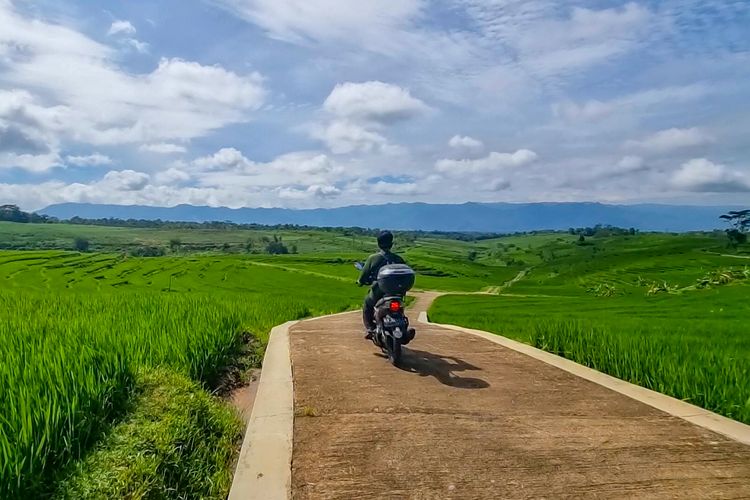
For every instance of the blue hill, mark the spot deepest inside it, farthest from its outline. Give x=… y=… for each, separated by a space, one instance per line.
x=480 y=217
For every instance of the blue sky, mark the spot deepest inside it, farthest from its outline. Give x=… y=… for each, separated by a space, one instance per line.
x=308 y=103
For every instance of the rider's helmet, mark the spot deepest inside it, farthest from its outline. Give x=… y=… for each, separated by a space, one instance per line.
x=385 y=240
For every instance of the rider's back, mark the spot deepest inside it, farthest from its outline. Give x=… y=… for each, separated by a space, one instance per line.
x=375 y=262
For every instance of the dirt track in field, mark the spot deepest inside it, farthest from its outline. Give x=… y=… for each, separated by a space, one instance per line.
x=467 y=418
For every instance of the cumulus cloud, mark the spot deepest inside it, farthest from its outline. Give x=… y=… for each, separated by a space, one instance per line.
x=493 y=162
x=702 y=175
x=89 y=160
x=228 y=168
x=671 y=139
x=37 y=163
x=125 y=180
x=465 y=143
x=163 y=148
x=121 y=27
x=224 y=159
x=172 y=175
x=373 y=102
x=344 y=136
x=80 y=93
x=16 y=140
x=360 y=112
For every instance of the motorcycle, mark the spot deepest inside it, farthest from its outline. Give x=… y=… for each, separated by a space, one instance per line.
x=392 y=329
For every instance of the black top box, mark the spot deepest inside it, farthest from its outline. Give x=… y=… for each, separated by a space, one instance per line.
x=396 y=279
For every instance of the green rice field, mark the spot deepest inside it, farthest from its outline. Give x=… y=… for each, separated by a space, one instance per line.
x=110 y=361
x=78 y=330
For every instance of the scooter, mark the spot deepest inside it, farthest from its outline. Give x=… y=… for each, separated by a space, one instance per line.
x=392 y=329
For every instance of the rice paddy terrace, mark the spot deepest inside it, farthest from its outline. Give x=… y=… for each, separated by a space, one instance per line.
x=108 y=356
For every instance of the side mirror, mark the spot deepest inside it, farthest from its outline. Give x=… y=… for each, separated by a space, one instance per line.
x=359 y=266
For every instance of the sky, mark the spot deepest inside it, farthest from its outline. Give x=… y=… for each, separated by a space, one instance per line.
x=323 y=103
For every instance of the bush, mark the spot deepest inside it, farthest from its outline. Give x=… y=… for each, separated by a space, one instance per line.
x=81 y=244
x=277 y=248
x=148 y=251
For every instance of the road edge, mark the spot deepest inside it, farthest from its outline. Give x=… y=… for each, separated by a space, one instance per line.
x=701 y=417
x=264 y=468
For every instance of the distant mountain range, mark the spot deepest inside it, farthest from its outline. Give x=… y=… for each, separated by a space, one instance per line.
x=475 y=217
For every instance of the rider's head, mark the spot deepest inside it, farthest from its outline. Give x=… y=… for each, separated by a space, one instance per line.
x=385 y=240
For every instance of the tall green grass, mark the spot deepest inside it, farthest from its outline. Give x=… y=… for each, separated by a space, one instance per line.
x=669 y=359
x=71 y=354
x=69 y=364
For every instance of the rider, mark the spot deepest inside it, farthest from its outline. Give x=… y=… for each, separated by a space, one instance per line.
x=370 y=274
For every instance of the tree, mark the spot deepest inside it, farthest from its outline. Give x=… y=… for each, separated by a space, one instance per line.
x=293 y=249
x=277 y=248
x=740 y=221
x=147 y=251
x=174 y=244
x=581 y=239
x=81 y=244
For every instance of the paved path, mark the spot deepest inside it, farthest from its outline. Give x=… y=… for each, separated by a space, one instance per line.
x=467 y=418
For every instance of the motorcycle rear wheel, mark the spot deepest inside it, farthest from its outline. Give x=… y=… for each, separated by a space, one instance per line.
x=394 y=351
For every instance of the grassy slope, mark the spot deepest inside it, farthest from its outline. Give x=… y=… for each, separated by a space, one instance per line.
x=591 y=304
x=79 y=329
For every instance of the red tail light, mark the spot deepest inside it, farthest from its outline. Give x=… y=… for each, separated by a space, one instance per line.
x=395 y=306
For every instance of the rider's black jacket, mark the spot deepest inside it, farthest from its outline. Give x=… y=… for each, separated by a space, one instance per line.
x=373 y=264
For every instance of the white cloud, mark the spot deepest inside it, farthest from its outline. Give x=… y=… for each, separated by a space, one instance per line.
x=629 y=164
x=137 y=45
x=37 y=163
x=81 y=94
x=314 y=191
x=121 y=28
x=360 y=112
x=229 y=168
x=593 y=110
x=125 y=180
x=671 y=139
x=320 y=21
x=89 y=160
x=373 y=102
x=493 y=162
x=172 y=175
x=399 y=189
x=465 y=143
x=16 y=140
x=587 y=37
x=344 y=136
x=702 y=175
x=225 y=159
x=164 y=148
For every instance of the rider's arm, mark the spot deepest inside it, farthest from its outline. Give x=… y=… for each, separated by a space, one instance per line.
x=365 y=277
